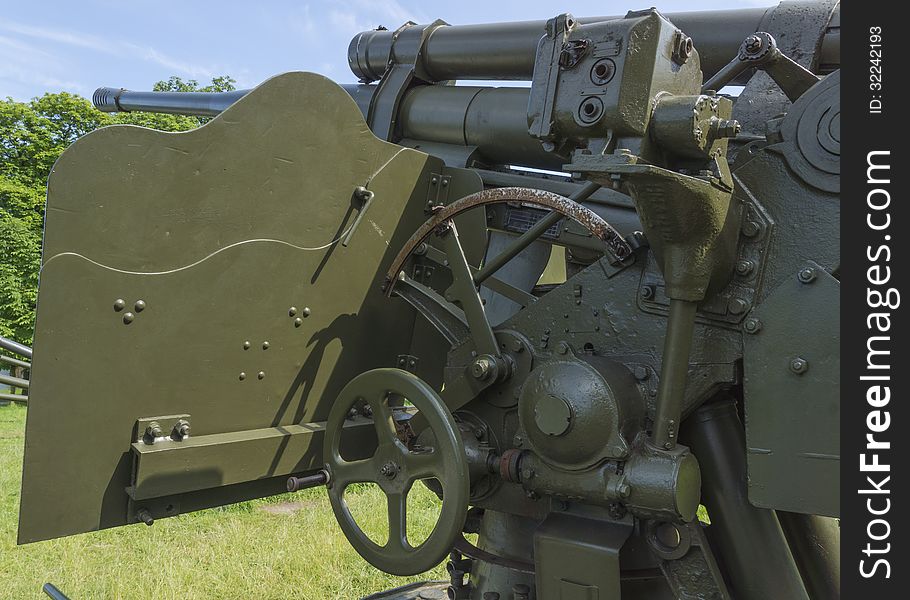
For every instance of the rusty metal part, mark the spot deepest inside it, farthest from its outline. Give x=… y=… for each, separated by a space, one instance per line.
x=613 y=241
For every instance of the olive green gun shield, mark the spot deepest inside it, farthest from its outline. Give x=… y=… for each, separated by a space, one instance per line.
x=204 y=297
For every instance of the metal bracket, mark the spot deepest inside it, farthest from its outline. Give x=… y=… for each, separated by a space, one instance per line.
x=437 y=191
x=546 y=74
x=408 y=362
x=405 y=70
x=150 y=430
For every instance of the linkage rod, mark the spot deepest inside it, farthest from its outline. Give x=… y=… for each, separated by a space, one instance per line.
x=529 y=236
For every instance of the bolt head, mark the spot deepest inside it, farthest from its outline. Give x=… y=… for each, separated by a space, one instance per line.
x=744 y=267
x=799 y=365
x=753 y=44
x=641 y=373
x=482 y=367
x=624 y=489
x=751 y=228
x=181 y=429
x=153 y=431
x=807 y=275
x=119 y=304
x=752 y=325
x=128 y=318
x=738 y=306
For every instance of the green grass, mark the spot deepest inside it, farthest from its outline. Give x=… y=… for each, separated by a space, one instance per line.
x=260 y=549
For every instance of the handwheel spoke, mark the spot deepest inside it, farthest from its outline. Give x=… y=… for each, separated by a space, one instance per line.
x=398 y=519
x=423 y=465
x=355 y=471
x=386 y=433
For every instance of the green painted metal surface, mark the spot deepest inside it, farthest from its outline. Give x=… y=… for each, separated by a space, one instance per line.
x=237 y=304
x=793 y=466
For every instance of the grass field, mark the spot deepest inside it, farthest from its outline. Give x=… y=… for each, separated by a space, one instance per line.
x=282 y=547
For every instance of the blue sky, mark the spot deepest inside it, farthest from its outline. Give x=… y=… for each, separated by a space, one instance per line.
x=76 y=46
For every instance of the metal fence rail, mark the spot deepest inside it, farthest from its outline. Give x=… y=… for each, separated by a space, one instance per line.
x=16 y=364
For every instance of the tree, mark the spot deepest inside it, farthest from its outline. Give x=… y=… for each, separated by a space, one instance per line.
x=32 y=136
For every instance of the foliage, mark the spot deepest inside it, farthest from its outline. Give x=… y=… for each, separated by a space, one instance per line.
x=32 y=136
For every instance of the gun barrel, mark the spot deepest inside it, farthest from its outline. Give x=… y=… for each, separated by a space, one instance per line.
x=506 y=50
x=204 y=104
x=200 y=104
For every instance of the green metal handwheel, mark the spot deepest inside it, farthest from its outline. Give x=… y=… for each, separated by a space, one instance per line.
x=395 y=468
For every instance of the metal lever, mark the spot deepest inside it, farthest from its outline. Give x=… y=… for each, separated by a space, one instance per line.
x=760 y=51
x=366 y=197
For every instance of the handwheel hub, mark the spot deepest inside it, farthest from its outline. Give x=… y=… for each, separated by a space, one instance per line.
x=390 y=470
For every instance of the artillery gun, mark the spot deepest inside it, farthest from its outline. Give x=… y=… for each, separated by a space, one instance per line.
x=328 y=285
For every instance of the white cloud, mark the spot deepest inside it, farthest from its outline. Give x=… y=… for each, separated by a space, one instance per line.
x=109 y=47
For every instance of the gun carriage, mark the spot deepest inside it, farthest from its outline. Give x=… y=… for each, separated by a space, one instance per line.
x=576 y=311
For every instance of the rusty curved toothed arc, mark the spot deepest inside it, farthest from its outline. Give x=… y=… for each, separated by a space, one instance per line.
x=615 y=244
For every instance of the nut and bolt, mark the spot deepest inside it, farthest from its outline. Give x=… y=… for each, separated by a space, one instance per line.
x=641 y=373
x=362 y=194
x=752 y=325
x=799 y=365
x=744 y=267
x=684 y=49
x=624 y=489
x=738 y=306
x=753 y=44
x=482 y=367
x=807 y=275
x=563 y=348
x=144 y=516
x=751 y=228
x=153 y=431
x=389 y=469
x=727 y=128
x=181 y=429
